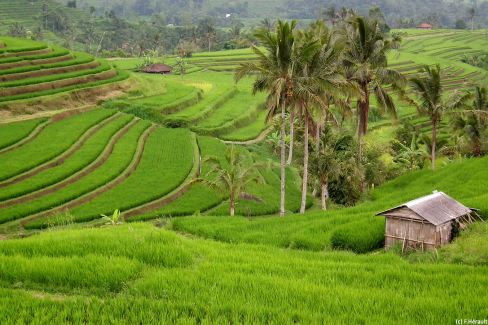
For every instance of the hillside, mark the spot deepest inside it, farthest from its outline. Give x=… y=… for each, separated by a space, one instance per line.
x=146 y=147
x=31 y=70
x=29 y=13
x=140 y=273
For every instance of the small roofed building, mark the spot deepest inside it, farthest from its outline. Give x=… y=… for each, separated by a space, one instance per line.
x=424 y=26
x=427 y=222
x=158 y=68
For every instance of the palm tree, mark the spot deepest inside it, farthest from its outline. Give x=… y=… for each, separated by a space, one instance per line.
x=317 y=77
x=274 y=74
x=432 y=102
x=233 y=179
x=365 y=61
x=473 y=122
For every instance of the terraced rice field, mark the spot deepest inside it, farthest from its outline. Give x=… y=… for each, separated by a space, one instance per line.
x=27 y=13
x=31 y=69
x=102 y=160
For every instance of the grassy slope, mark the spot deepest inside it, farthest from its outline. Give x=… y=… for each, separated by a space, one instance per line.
x=355 y=228
x=139 y=273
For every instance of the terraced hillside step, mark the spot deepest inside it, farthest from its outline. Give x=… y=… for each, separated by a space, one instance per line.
x=64 y=156
x=17 y=134
x=49 y=72
x=108 y=168
x=59 y=177
x=79 y=201
x=9 y=92
x=50 y=143
x=23 y=63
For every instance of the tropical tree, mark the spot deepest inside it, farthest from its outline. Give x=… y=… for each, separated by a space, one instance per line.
x=181 y=66
x=234 y=178
x=472 y=122
x=334 y=161
x=431 y=102
x=412 y=156
x=365 y=60
x=274 y=75
x=317 y=78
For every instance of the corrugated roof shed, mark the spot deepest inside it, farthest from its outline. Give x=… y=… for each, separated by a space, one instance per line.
x=437 y=208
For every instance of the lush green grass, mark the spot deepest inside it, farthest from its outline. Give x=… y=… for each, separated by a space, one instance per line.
x=173 y=279
x=51 y=142
x=121 y=75
x=14 y=132
x=352 y=228
x=88 y=153
x=250 y=131
x=117 y=162
x=80 y=58
x=166 y=162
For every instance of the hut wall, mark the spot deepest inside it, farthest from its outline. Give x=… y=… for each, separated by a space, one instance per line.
x=443 y=233
x=413 y=233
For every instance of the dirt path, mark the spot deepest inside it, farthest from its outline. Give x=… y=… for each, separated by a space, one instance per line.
x=176 y=193
x=63 y=157
x=31 y=136
x=90 y=196
x=75 y=177
x=260 y=138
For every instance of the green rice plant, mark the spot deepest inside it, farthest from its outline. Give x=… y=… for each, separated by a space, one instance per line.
x=30 y=81
x=51 y=142
x=315 y=229
x=174 y=279
x=166 y=162
x=121 y=75
x=83 y=157
x=14 y=132
x=117 y=162
x=80 y=58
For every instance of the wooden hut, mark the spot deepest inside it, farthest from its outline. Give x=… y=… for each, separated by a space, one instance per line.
x=425 y=26
x=158 y=68
x=427 y=222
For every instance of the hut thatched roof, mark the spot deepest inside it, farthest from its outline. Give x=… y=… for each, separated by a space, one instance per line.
x=157 y=68
x=437 y=208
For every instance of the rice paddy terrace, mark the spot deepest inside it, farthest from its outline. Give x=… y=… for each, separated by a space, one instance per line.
x=30 y=70
x=27 y=13
x=208 y=101
x=141 y=152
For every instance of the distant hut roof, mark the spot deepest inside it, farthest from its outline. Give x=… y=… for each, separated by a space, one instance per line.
x=424 y=25
x=157 y=68
x=437 y=208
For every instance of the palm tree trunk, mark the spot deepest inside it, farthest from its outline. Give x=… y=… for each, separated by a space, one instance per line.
x=433 y=144
x=325 y=194
x=292 y=136
x=282 y=160
x=317 y=136
x=232 y=208
x=477 y=147
x=364 y=110
x=305 y=168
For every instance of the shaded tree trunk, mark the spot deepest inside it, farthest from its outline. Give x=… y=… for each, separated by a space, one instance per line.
x=364 y=110
x=305 y=168
x=477 y=147
x=292 y=137
x=325 y=194
x=433 y=143
x=232 y=206
x=282 y=160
